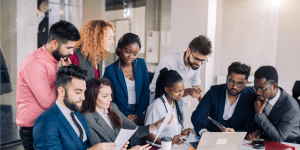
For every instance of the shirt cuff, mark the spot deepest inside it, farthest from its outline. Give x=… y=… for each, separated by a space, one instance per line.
x=202 y=130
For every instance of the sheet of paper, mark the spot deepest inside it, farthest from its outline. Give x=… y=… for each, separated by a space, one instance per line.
x=123 y=137
x=191 y=138
x=163 y=125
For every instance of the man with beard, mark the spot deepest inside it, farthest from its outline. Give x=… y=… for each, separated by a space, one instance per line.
x=37 y=74
x=277 y=114
x=62 y=126
x=230 y=104
x=187 y=63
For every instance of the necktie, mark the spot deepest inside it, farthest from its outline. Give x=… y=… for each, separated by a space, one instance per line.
x=78 y=126
x=267 y=109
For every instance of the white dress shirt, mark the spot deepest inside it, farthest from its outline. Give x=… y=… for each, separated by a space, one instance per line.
x=67 y=113
x=174 y=61
x=105 y=117
x=228 y=110
x=272 y=102
x=131 y=91
x=157 y=111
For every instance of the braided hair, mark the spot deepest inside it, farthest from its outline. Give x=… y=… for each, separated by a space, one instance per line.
x=168 y=78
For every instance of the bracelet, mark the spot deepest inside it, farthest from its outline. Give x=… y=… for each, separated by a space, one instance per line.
x=189 y=91
x=156 y=126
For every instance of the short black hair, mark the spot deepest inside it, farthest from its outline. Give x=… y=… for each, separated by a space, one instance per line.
x=126 y=39
x=201 y=44
x=66 y=73
x=239 y=68
x=268 y=72
x=63 y=31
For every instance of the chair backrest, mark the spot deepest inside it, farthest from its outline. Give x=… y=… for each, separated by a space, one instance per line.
x=296 y=90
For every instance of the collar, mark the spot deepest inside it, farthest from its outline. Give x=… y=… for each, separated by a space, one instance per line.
x=63 y=109
x=275 y=99
x=227 y=99
x=181 y=60
x=47 y=54
x=166 y=101
x=106 y=112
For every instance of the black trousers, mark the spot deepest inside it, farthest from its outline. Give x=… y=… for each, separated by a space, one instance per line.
x=26 y=138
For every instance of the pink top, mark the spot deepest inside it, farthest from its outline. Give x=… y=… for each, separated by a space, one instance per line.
x=74 y=59
x=36 y=90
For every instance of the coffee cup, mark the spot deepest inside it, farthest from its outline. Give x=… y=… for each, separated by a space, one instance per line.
x=166 y=143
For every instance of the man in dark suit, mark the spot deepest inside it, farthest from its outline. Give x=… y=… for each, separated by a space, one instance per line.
x=62 y=126
x=230 y=104
x=277 y=114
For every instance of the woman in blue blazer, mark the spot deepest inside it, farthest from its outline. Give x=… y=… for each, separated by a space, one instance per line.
x=130 y=79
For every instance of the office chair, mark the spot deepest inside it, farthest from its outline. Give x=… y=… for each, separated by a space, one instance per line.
x=296 y=91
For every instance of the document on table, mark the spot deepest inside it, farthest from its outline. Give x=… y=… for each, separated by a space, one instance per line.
x=191 y=138
x=163 y=125
x=123 y=137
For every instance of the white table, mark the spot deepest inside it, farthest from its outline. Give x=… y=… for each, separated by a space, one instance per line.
x=242 y=147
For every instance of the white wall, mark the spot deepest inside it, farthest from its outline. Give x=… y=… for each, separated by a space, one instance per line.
x=288 y=45
x=92 y=9
x=18 y=39
x=188 y=20
x=137 y=22
x=246 y=32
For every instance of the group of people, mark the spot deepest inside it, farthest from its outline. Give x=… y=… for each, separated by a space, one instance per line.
x=82 y=105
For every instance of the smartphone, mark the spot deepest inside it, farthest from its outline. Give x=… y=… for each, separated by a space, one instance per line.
x=258 y=145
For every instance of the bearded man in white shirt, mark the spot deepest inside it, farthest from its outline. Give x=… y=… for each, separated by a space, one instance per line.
x=188 y=64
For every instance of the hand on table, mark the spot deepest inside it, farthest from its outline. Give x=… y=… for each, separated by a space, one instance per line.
x=177 y=141
x=253 y=135
x=187 y=132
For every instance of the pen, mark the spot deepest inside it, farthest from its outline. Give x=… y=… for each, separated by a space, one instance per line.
x=181 y=138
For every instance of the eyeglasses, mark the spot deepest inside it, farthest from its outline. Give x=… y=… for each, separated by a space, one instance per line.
x=238 y=84
x=260 y=90
x=197 y=60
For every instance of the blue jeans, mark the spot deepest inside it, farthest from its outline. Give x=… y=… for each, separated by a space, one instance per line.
x=130 y=109
x=180 y=104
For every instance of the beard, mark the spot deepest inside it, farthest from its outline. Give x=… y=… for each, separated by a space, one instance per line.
x=234 y=94
x=192 y=64
x=57 y=54
x=71 y=105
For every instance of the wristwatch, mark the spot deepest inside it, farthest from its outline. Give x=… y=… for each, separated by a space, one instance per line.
x=257 y=115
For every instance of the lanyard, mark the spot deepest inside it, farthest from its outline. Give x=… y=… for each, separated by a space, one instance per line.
x=164 y=102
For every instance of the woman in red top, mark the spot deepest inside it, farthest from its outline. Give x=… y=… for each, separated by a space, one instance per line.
x=97 y=37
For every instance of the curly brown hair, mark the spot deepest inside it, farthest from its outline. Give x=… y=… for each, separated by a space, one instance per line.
x=92 y=40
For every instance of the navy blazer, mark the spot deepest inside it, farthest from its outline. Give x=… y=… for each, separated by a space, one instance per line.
x=116 y=76
x=52 y=130
x=214 y=103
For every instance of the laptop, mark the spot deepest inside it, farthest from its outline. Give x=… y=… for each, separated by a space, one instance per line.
x=220 y=141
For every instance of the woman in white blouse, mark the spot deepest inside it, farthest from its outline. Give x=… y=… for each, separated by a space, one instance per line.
x=169 y=90
x=103 y=117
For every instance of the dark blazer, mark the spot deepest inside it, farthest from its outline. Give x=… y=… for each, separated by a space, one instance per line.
x=282 y=124
x=214 y=103
x=88 y=65
x=116 y=76
x=52 y=130
x=102 y=132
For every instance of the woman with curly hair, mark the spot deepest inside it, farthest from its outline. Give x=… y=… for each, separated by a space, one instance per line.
x=97 y=37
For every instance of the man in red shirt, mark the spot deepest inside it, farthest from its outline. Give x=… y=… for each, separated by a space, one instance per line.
x=36 y=90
